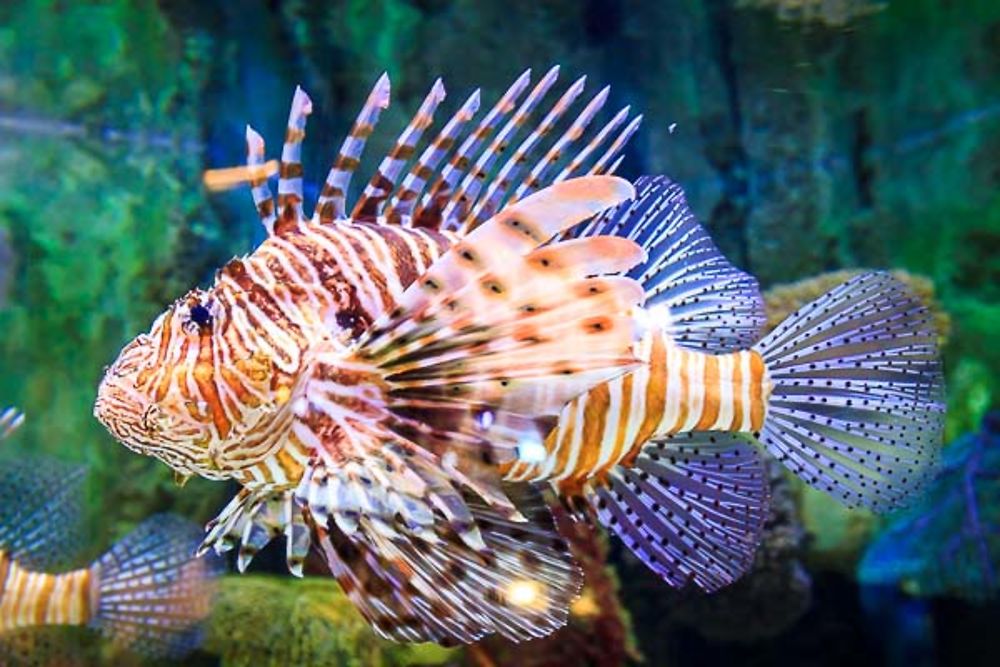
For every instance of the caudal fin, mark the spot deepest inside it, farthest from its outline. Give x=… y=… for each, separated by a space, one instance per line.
x=152 y=591
x=855 y=406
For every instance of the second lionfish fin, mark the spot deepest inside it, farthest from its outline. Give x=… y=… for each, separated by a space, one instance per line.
x=691 y=508
x=10 y=420
x=692 y=291
x=152 y=592
x=40 y=521
x=412 y=589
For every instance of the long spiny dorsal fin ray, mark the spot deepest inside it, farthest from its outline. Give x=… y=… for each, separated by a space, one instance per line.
x=429 y=213
x=574 y=166
x=490 y=202
x=262 y=198
x=331 y=203
x=405 y=199
x=558 y=149
x=610 y=157
x=290 y=170
x=383 y=182
x=461 y=202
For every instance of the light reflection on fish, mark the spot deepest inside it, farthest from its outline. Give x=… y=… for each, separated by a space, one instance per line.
x=147 y=593
x=395 y=381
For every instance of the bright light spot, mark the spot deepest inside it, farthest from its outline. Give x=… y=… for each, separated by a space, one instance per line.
x=585 y=606
x=531 y=451
x=525 y=593
x=659 y=314
x=673 y=126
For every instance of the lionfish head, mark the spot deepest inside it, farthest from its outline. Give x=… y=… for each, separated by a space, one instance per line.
x=160 y=397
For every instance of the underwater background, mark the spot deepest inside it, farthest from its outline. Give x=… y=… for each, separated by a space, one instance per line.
x=812 y=138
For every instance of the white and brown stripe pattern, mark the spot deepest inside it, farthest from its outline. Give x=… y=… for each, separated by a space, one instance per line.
x=677 y=390
x=37 y=598
x=207 y=389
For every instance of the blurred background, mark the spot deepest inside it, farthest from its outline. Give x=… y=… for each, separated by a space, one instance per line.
x=812 y=138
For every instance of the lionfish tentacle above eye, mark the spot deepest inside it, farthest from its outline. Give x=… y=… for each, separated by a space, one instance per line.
x=331 y=204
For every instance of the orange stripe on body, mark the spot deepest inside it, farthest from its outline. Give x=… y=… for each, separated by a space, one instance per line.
x=595 y=417
x=711 y=398
x=757 y=393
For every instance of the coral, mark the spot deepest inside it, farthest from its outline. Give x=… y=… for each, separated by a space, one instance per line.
x=100 y=202
x=267 y=620
x=948 y=543
x=782 y=300
x=599 y=632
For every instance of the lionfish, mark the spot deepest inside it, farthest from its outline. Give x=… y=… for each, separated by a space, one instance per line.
x=397 y=382
x=147 y=593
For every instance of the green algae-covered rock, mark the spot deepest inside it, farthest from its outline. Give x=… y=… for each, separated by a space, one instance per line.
x=264 y=620
x=102 y=216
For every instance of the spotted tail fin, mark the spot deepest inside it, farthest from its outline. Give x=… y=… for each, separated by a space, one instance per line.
x=152 y=592
x=855 y=404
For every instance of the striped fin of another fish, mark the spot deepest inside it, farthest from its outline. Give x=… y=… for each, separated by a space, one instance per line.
x=692 y=507
x=10 y=420
x=152 y=592
x=414 y=590
x=856 y=405
x=693 y=292
x=459 y=192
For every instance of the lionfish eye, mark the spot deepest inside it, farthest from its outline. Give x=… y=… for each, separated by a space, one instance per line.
x=201 y=316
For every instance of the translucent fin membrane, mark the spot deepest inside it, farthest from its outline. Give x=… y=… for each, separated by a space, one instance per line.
x=437 y=589
x=40 y=501
x=691 y=508
x=153 y=592
x=856 y=406
x=692 y=291
x=458 y=181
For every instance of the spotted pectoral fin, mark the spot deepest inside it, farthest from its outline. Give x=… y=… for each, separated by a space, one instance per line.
x=436 y=588
x=691 y=508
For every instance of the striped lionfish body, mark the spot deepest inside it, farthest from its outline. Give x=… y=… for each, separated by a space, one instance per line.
x=147 y=592
x=392 y=381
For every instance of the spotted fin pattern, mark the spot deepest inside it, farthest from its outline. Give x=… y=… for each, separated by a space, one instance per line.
x=437 y=589
x=856 y=408
x=693 y=292
x=692 y=507
x=481 y=352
